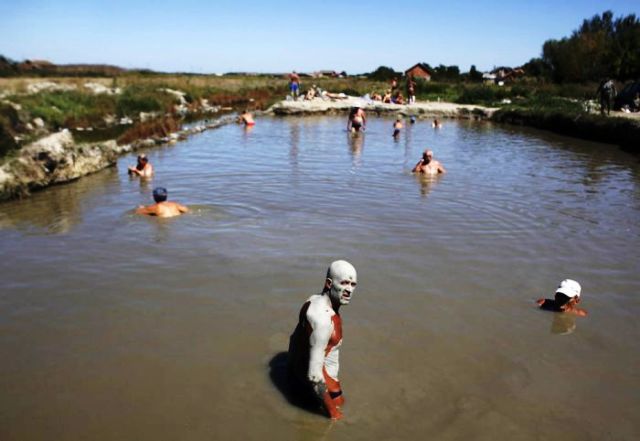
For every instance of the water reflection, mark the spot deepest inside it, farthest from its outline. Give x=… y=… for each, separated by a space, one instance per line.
x=356 y=146
x=563 y=324
x=57 y=209
x=427 y=182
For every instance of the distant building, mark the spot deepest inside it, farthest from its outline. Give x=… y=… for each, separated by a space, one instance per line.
x=328 y=73
x=419 y=70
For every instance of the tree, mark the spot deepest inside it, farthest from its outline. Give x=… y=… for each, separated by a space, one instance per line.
x=384 y=73
x=474 y=75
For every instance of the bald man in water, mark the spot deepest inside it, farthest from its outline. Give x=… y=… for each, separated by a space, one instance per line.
x=314 y=344
x=427 y=165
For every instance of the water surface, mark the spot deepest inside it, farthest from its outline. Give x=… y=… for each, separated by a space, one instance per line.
x=114 y=326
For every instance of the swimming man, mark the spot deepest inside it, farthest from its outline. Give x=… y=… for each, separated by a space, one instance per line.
x=162 y=207
x=427 y=165
x=315 y=342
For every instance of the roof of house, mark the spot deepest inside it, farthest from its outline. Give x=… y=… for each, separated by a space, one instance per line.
x=421 y=65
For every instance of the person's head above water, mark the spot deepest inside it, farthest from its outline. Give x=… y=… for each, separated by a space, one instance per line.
x=159 y=194
x=341 y=281
x=142 y=158
x=569 y=288
x=427 y=155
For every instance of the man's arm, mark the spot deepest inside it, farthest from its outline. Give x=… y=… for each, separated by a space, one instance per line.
x=322 y=326
x=441 y=168
x=416 y=169
x=182 y=208
x=151 y=210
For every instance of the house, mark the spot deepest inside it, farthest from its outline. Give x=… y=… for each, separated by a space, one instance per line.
x=419 y=70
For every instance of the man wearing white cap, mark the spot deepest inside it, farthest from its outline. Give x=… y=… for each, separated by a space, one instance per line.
x=566 y=299
x=314 y=344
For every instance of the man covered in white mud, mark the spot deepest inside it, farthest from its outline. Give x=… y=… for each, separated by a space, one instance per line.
x=314 y=345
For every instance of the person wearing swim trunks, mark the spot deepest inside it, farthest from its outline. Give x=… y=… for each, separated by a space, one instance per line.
x=313 y=361
x=427 y=165
x=143 y=168
x=247 y=118
x=357 y=120
x=162 y=207
x=396 y=127
x=294 y=84
x=566 y=299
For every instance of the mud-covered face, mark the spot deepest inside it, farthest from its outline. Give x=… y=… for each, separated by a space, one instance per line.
x=341 y=281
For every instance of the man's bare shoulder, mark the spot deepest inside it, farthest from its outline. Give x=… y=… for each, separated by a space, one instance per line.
x=319 y=310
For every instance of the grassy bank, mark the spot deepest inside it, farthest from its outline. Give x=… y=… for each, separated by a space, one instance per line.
x=147 y=106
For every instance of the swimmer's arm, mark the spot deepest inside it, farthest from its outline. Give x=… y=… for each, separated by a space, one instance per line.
x=416 y=169
x=151 y=210
x=441 y=169
x=318 y=340
x=182 y=208
x=540 y=302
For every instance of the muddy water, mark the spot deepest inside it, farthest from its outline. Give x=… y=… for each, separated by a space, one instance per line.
x=115 y=327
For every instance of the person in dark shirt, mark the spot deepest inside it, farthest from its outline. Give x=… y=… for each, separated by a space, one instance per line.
x=565 y=300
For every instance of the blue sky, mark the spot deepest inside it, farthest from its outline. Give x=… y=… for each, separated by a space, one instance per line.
x=278 y=36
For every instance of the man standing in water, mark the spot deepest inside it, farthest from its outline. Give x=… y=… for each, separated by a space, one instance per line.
x=314 y=345
x=162 y=207
x=427 y=165
x=142 y=168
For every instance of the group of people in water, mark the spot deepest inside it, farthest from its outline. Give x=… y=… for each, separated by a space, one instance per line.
x=162 y=207
x=314 y=346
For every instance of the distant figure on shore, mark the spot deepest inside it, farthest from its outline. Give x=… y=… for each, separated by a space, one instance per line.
x=375 y=96
x=246 y=118
x=357 y=120
x=313 y=361
x=387 y=97
x=427 y=165
x=397 y=98
x=143 y=168
x=394 y=84
x=412 y=120
x=294 y=84
x=162 y=207
x=397 y=126
x=311 y=93
x=606 y=93
x=566 y=299
x=436 y=124
x=411 y=90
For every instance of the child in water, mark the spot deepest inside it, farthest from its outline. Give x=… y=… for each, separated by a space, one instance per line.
x=566 y=299
x=396 y=127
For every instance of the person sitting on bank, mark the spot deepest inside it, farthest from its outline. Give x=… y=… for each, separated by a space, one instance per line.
x=143 y=168
x=396 y=127
x=357 y=120
x=565 y=300
x=162 y=207
x=427 y=165
x=247 y=118
x=397 y=98
x=387 y=97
